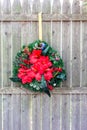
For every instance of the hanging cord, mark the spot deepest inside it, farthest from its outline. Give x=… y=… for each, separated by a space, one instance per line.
x=40 y=25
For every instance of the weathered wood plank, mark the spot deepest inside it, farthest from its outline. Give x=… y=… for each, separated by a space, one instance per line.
x=15 y=90
x=25 y=33
x=16 y=7
x=6 y=53
x=46 y=7
x=56 y=36
x=36 y=112
x=66 y=54
x=84 y=55
x=0 y=59
x=0 y=7
x=66 y=7
x=56 y=8
x=83 y=117
x=75 y=125
x=6 y=8
x=76 y=54
x=25 y=7
x=0 y=111
x=47 y=32
x=7 y=111
x=55 y=112
x=76 y=7
x=46 y=17
x=26 y=112
x=65 y=112
x=36 y=6
x=16 y=38
x=45 y=113
x=17 y=112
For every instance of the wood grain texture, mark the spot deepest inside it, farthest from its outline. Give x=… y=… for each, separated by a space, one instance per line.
x=6 y=53
x=65 y=112
x=56 y=112
x=66 y=7
x=66 y=54
x=6 y=7
x=83 y=117
x=76 y=7
x=55 y=17
x=1 y=112
x=0 y=58
x=16 y=112
x=75 y=112
x=56 y=7
x=45 y=113
x=36 y=112
x=84 y=55
x=16 y=7
x=7 y=111
x=26 y=112
x=76 y=54
x=25 y=7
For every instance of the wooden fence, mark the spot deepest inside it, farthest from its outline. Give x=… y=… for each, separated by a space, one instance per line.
x=64 y=28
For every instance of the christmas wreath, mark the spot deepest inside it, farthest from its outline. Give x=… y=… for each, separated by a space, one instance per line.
x=38 y=67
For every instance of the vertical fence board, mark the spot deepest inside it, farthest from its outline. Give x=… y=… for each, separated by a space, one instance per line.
x=76 y=54
x=46 y=32
x=6 y=43
x=26 y=122
x=66 y=54
x=65 y=112
x=7 y=111
x=84 y=55
x=66 y=7
x=84 y=112
x=6 y=7
x=16 y=7
x=56 y=36
x=56 y=6
x=76 y=7
x=16 y=38
x=16 y=112
x=75 y=112
x=0 y=58
x=25 y=33
x=25 y=7
x=36 y=6
x=46 y=6
x=0 y=7
x=45 y=113
x=55 y=112
x=36 y=113
x=0 y=111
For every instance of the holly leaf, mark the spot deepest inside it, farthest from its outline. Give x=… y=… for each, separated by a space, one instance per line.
x=44 y=86
x=61 y=76
x=15 y=79
x=45 y=50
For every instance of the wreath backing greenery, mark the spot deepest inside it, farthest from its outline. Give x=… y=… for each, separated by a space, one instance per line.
x=38 y=67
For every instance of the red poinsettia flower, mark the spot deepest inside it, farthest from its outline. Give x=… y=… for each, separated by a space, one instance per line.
x=50 y=87
x=58 y=69
x=38 y=77
x=36 y=53
x=48 y=76
x=35 y=56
